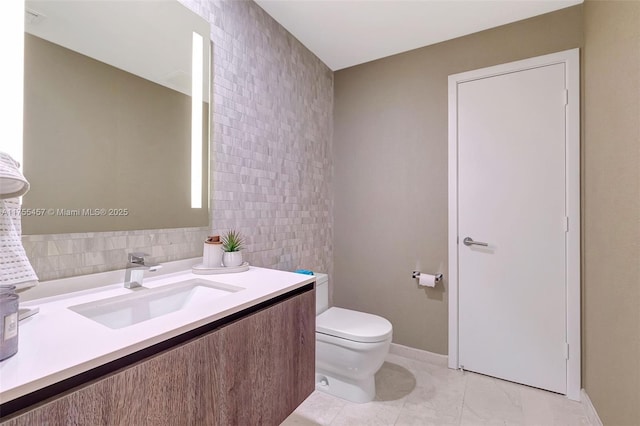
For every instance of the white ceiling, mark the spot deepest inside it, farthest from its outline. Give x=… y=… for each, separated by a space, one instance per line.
x=343 y=33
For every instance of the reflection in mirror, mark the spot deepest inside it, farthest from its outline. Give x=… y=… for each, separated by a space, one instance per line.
x=116 y=129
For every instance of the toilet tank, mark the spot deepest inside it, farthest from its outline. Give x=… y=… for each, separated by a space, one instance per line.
x=322 y=292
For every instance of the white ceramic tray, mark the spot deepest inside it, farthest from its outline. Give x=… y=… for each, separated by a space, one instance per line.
x=205 y=270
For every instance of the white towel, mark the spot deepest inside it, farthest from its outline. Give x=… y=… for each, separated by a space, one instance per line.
x=15 y=268
x=12 y=182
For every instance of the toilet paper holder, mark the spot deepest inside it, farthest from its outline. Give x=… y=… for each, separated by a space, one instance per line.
x=416 y=274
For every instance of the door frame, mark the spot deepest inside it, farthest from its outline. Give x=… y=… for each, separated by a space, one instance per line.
x=571 y=59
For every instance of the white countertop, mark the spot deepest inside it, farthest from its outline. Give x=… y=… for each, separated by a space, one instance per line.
x=57 y=343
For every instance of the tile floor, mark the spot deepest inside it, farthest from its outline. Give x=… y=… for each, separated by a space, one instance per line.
x=411 y=392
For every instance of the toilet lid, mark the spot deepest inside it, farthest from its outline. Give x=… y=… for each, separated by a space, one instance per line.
x=353 y=325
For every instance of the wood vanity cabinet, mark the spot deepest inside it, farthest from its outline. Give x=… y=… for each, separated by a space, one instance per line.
x=254 y=370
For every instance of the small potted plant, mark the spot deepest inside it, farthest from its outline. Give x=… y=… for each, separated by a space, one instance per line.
x=232 y=245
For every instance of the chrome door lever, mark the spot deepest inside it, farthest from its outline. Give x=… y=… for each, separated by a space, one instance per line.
x=469 y=242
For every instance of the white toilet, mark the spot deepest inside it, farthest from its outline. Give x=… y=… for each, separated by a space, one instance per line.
x=350 y=348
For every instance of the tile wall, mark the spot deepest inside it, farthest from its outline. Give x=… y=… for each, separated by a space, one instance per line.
x=65 y=255
x=273 y=103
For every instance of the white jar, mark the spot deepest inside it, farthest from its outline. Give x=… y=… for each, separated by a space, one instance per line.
x=212 y=252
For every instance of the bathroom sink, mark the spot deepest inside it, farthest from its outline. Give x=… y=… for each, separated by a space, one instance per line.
x=145 y=304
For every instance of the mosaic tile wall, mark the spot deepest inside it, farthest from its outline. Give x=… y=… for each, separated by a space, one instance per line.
x=273 y=109
x=65 y=255
x=271 y=158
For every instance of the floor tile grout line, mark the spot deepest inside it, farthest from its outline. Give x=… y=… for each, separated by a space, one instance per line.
x=404 y=402
x=464 y=395
x=337 y=415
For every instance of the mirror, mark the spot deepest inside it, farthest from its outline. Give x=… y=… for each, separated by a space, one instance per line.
x=113 y=138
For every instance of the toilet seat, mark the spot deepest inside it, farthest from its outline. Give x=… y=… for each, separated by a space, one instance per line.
x=353 y=325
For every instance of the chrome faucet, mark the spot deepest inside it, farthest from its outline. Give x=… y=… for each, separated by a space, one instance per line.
x=136 y=266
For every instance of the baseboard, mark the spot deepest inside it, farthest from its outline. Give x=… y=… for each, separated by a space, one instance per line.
x=592 y=414
x=418 y=354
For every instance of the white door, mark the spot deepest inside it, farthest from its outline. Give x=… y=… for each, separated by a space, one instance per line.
x=511 y=197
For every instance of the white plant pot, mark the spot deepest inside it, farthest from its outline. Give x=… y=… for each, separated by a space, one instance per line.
x=232 y=258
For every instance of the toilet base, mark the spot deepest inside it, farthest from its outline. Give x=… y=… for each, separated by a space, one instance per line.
x=359 y=391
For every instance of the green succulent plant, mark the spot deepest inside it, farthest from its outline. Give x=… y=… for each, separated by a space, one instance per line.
x=232 y=241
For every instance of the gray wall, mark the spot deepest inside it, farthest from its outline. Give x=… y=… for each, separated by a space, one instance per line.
x=390 y=170
x=611 y=210
x=271 y=174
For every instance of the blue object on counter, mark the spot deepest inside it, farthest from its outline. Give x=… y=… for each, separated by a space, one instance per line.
x=304 y=271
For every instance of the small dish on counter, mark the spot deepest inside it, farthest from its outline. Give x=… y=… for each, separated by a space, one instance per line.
x=200 y=269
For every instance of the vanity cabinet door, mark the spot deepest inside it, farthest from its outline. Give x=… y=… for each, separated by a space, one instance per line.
x=254 y=371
